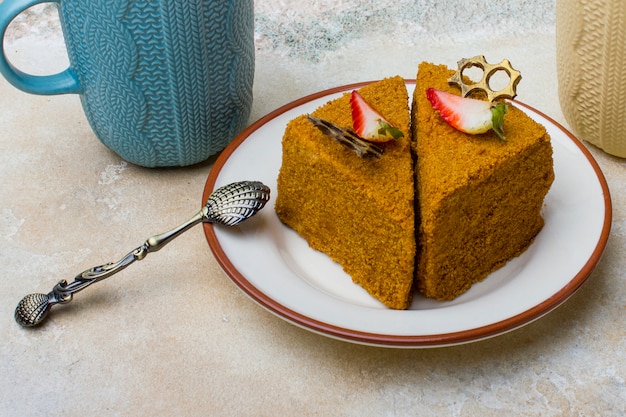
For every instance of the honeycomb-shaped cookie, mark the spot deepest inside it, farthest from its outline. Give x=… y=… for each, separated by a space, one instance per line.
x=488 y=71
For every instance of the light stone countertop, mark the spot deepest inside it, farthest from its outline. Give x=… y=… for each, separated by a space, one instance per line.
x=172 y=335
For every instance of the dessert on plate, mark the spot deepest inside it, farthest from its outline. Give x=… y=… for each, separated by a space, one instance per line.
x=432 y=198
x=478 y=196
x=359 y=210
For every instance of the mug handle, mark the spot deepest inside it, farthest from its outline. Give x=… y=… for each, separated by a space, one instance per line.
x=64 y=82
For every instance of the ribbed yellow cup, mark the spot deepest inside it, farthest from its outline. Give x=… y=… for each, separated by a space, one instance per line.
x=591 y=64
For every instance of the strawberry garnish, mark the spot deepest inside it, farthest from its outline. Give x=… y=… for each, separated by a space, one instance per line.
x=467 y=114
x=369 y=124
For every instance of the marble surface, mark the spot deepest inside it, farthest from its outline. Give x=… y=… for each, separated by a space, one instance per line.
x=172 y=335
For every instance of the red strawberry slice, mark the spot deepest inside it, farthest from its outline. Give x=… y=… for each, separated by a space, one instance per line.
x=368 y=123
x=466 y=114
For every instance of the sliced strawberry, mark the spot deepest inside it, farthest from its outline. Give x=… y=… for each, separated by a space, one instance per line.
x=466 y=114
x=368 y=123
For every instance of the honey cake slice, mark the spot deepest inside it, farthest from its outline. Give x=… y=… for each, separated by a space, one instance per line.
x=358 y=211
x=479 y=198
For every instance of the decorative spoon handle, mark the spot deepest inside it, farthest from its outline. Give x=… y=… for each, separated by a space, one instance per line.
x=228 y=205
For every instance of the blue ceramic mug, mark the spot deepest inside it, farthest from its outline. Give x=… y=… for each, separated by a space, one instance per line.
x=162 y=83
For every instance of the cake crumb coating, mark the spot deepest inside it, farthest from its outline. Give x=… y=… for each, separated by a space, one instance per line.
x=479 y=198
x=359 y=211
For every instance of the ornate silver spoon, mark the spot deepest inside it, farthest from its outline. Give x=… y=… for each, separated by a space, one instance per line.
x=228 y=205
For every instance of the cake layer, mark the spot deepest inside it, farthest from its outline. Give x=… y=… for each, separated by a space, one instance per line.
x=479 y=198
x=359 y=211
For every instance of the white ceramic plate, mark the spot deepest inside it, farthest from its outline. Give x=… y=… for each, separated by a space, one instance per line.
x=277 y=269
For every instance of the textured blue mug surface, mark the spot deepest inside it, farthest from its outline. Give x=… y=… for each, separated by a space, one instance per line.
x=162 y=83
